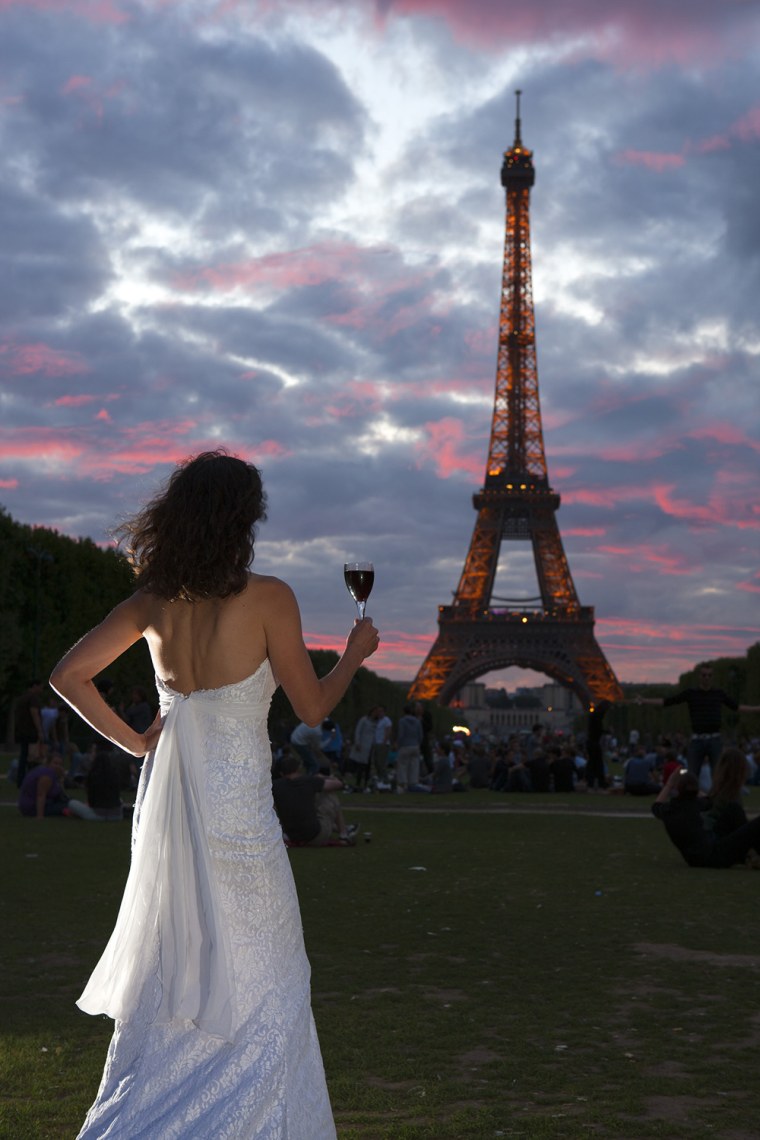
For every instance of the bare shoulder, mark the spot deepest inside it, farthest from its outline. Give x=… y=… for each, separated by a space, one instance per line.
x=265 y=588
x=142 y=608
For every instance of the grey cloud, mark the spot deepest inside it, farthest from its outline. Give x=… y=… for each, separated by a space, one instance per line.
x=50 y=264
x=177 y=123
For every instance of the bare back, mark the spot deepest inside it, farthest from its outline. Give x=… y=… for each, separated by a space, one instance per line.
x=207 y=644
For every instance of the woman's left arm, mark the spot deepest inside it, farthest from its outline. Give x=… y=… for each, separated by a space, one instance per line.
x=73 y=676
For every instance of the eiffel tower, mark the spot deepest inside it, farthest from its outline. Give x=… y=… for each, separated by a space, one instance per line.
x=479 y=632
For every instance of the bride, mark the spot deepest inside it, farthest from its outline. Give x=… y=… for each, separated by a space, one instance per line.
x=205 y=973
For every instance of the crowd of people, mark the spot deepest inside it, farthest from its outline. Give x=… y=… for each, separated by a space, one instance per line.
x=315 y=765
x=376 y=755
x=709 y=829
x=50 y=763
x=407 y=757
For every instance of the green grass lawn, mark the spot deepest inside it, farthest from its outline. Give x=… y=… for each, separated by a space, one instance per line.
x=480 y=969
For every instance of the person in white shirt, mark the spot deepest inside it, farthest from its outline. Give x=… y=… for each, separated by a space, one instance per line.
x=380 y=747
x=307 y=742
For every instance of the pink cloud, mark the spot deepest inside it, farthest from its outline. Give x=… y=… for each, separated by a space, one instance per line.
x=444 y=440
x=603 y=496
x=680 y=508
x=374 y=283
x=752 y=586
x=372 y=314
x=712 y=144
x=40 y=359
x=75 y=83
x=142 y=448
x=94 y=11
x=481 y=341
x=267 y=449
x=632 y=33
x=653 y=160
x=399 y=656
x=309 y=266
x=9 y=484
x=148 y=445
x=82 y=456
x=747 y=128
x=731 y=501
x=584 y=531
x=744 y=129
x=104 y=416
x=348 y=409
x=639 y=649
x=727 y=433
x=39 y=445
x=640 y=628
x=638 y=452
x=727 y=505
x=356 y=398
x=560 y=474
x=640 y=557
x=74 y=401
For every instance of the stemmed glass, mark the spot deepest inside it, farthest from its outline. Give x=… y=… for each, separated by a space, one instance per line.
x=359 y=577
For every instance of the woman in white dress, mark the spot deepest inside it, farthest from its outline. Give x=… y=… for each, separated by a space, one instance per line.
x=205 y=973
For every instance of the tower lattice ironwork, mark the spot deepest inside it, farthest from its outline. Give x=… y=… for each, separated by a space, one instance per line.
x=551 y=633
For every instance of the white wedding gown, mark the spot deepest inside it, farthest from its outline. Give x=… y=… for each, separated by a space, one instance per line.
x=206 y=972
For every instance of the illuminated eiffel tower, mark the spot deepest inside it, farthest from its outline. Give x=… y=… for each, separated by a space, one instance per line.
x=551 y=633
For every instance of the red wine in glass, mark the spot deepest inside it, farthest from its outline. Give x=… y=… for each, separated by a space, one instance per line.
x=359 y=577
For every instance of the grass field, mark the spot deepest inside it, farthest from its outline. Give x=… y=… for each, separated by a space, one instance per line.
x=517 y=966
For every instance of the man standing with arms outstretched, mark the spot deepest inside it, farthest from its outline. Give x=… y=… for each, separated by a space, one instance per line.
x=705 y=706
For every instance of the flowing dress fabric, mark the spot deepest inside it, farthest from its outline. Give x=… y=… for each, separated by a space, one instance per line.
x=206 y=972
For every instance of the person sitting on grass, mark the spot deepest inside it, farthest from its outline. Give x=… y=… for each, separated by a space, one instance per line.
x=640 y=775
x=42 y=796
x=670 y=763
x=562 y=767
x=726 y=812
x=680 y=807
x=308 y=810
x=539 y=771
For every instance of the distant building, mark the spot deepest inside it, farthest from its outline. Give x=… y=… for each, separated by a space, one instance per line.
x=553 y=706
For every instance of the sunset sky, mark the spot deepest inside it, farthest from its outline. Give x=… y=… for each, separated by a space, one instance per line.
x=278 y=226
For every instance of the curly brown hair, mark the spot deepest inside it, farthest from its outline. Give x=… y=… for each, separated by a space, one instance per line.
x=194 y=540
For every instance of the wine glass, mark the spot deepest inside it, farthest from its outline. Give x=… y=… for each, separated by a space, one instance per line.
x=359 y=577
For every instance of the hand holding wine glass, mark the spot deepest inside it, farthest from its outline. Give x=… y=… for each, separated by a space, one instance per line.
x=359 y=578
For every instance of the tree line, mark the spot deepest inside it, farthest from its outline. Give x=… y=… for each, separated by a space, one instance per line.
x=54 y=588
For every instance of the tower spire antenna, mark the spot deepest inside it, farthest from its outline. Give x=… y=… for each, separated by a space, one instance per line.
x=518 y=139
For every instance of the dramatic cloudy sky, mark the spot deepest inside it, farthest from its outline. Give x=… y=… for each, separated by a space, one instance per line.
x=278 y=226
